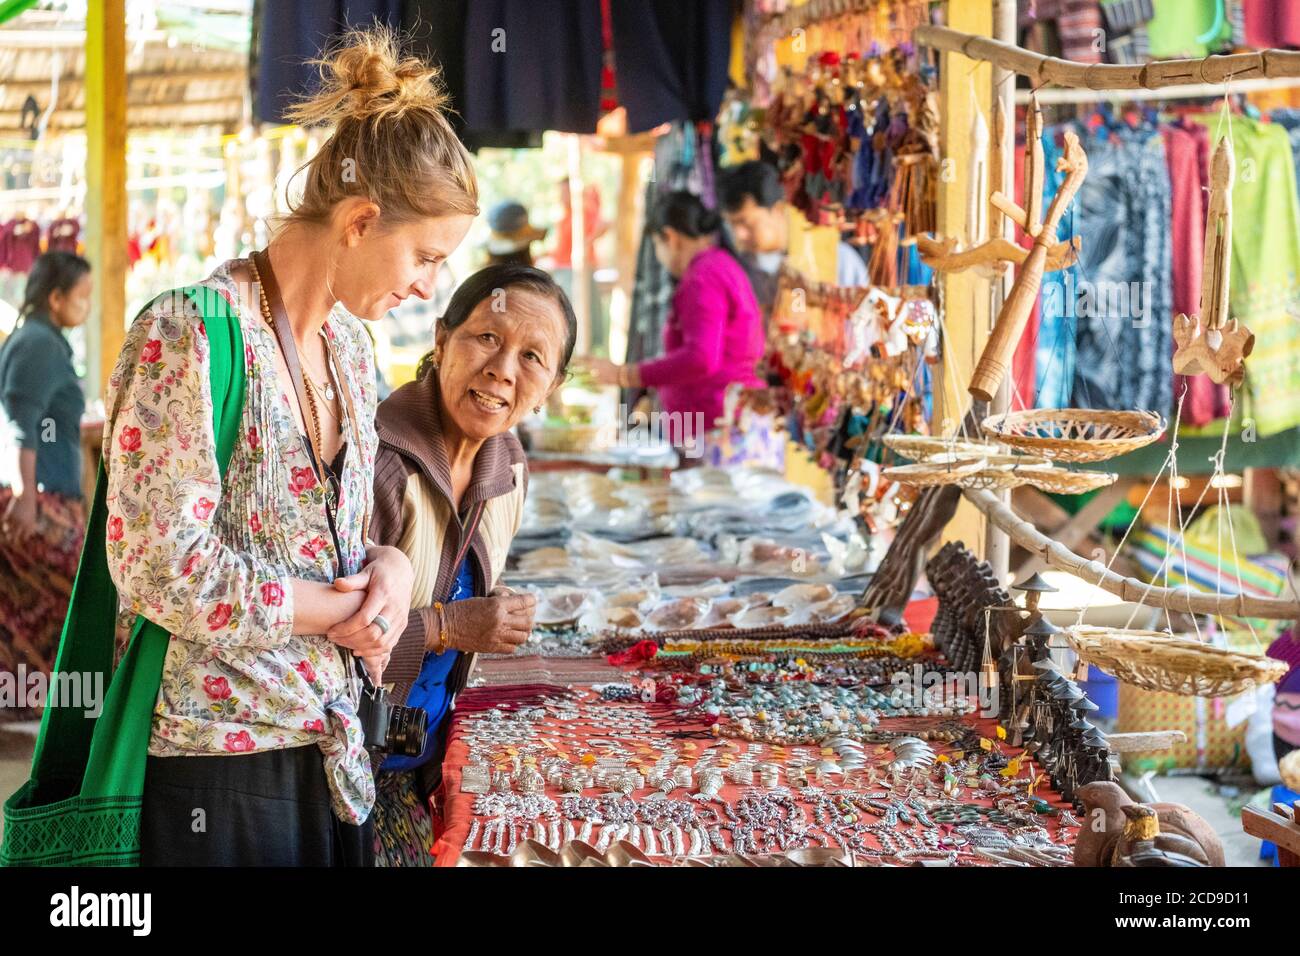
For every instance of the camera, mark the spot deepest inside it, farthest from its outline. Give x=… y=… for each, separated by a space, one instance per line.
x=387 y=728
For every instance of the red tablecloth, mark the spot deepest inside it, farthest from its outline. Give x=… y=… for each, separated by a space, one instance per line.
x=457 y=807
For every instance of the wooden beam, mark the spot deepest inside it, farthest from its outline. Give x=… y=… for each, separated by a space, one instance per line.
x=966 y=295
x=1144 y=741
x=106 y=208
x=1077 y=528
x=1275 y=826
x=1043 y=70
x=1130 y=589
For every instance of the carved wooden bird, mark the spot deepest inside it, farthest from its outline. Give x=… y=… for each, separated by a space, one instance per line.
x=1142 y=843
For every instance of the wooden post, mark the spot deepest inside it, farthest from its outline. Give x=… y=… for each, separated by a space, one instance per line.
x=106 y=207
x=964 y=84
x=997 y=544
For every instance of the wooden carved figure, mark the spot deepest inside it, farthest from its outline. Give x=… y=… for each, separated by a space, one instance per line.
x=1213 y=344
x=1010 y=325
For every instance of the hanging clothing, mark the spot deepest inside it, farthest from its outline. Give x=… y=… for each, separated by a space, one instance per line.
x=1272 y=23
x=671 y=59
x=1078 y=26
x=533 y=66
x=1123 y=302
x=436 y=32
x=1185 y=149
x=1175 y=31
x=62 y=235
x=22 y=244
x=1051 y=380
x=1264 y=293
x=290 y=35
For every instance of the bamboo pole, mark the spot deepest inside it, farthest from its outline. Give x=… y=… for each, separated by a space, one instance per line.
x=1057 y=556
x=1044 y=70
x=106 y=207
x=964 y=88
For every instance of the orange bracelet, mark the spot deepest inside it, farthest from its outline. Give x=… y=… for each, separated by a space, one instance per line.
x=442 y=628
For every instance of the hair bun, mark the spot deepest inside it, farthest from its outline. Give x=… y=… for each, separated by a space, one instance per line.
x=366 y=77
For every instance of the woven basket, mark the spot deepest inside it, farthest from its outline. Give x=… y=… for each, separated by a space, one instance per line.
x=921 y=447
x=1075 y=434
x=1004 y=471
x=935 y=471
x=1177 y=665
x=1058 y=481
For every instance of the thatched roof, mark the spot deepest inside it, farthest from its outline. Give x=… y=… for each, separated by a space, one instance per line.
x=179 y=75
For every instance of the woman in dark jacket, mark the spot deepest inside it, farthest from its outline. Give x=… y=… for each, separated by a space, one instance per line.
x=42 y=517
x=450 y=482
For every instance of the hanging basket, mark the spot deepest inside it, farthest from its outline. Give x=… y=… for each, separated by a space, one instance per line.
x=1075 y=434
x=922 y=447
x=1058 y=481
x=1005 y=471
x=1176 y=665
x=938 y=470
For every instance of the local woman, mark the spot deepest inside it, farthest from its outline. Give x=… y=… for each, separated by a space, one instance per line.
x=714 y=333
x=450 y=483
x=42 y=516
x=268 y=583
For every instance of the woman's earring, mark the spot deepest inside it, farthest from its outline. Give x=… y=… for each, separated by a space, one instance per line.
x=537 y=409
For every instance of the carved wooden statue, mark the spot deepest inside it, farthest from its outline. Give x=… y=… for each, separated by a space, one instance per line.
x=1117 y=831
x=1213 y=344
x=1010 y=325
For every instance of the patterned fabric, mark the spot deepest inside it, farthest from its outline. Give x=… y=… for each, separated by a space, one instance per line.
x=1125 y=340
x=36 y=578
x=213 y=565
x=403 y=825
x=1264 y=292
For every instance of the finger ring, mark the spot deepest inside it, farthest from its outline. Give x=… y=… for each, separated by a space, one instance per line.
x=382 y=623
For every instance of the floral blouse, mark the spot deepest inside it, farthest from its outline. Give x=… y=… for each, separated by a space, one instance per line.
x=212 y=565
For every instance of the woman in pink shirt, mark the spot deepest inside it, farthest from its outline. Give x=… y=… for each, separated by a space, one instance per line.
x=714 y=333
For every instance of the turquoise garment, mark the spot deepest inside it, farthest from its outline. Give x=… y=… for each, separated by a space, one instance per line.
x=41 y=402
x=1054 y=349
x=430 y=688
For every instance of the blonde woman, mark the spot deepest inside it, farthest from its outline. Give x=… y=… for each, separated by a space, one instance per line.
x=268 y=581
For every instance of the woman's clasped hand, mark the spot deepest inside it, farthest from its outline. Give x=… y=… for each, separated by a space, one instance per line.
x=385 y=583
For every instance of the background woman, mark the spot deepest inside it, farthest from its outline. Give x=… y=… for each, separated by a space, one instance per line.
x=266 y=583
x=450 y=483
x=714 y=333
x=42 y=516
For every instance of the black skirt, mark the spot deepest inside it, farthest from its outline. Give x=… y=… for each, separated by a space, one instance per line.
x=263 y=809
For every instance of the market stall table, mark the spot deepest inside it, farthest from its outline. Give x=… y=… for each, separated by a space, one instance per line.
x=577 y=727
